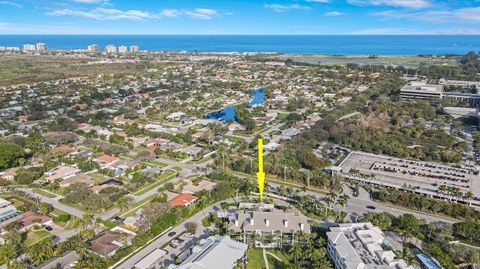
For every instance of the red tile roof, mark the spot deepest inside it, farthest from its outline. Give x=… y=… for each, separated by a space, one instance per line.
x=28 y=218
x=107 y=158
x=183 y=199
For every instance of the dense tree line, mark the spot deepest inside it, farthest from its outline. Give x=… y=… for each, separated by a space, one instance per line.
x=10 y=155
x=423 y=203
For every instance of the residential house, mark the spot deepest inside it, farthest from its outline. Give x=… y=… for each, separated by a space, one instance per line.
x=31 y=218
x=106 y=160
x=9 y=174
x=122 y=166
x=80 y=178
x=62 y=172
x=183 y=199
x=106 y=243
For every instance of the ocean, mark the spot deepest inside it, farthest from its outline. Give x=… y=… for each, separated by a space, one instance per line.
x=302 y=44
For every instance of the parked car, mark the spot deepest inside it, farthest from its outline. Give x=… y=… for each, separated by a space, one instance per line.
x=171 y=234
x=371 y=207
x=48 y=228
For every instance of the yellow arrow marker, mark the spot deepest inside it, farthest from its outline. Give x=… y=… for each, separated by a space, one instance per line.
x=260 y=174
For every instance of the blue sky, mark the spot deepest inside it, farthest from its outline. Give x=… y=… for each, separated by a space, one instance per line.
x=239 y=17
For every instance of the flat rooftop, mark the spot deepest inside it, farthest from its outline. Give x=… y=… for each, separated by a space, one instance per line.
x=395 y=172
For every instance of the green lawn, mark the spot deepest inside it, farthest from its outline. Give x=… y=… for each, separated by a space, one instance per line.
x=205 y=159
x=273 y=262
x=255 y=259
x=234 y=139
x=142 y=203
x=35 y=236
x=155 y=163
x=44 y=193
x=97 y=177
x=176 y=168
x=160 y=180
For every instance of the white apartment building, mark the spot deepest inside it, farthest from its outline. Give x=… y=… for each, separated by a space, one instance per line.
x=111 y=49
x=215 y=252
x=134 y=49
x=93 y=48
x=42 y=47
x=359 y=246
x=29 y=47
x=122 y=49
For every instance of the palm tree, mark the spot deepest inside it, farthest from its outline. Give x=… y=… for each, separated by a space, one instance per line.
x=17 y=265
x=407 y=255
x=343 y=200
x=82 y=250
x=469 y=196
x=296 y=252
x=8 y=255
x=124 y=202
x=87 y=221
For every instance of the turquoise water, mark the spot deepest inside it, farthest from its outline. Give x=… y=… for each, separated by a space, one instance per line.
x=428 y=262
x=306 y=44
x=228 y=113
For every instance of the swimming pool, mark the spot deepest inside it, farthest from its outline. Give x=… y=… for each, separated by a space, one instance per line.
x=428 y=261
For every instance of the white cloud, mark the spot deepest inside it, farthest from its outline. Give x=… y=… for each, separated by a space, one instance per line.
x=170 y=13
x=463 y=14
x=409 y=31
x=105 y=14
x=202 y=13
x=284 y=8
x=116 y=14
x=334 y=13
x=414 y=4
x=10 y=3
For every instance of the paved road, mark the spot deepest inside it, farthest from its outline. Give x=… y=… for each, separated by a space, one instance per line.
x=159 y=242
x=357 y=206
x=55 y=203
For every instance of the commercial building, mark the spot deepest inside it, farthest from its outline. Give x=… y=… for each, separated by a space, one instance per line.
x=122 y=49
x=111 y=49
x=421 y=90
x=42 y=47
x=360 y=246
x=93 y=48
x=215 y=252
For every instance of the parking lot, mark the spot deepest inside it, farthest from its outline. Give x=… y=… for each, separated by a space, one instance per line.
x=423 y=175
x=181 y=244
